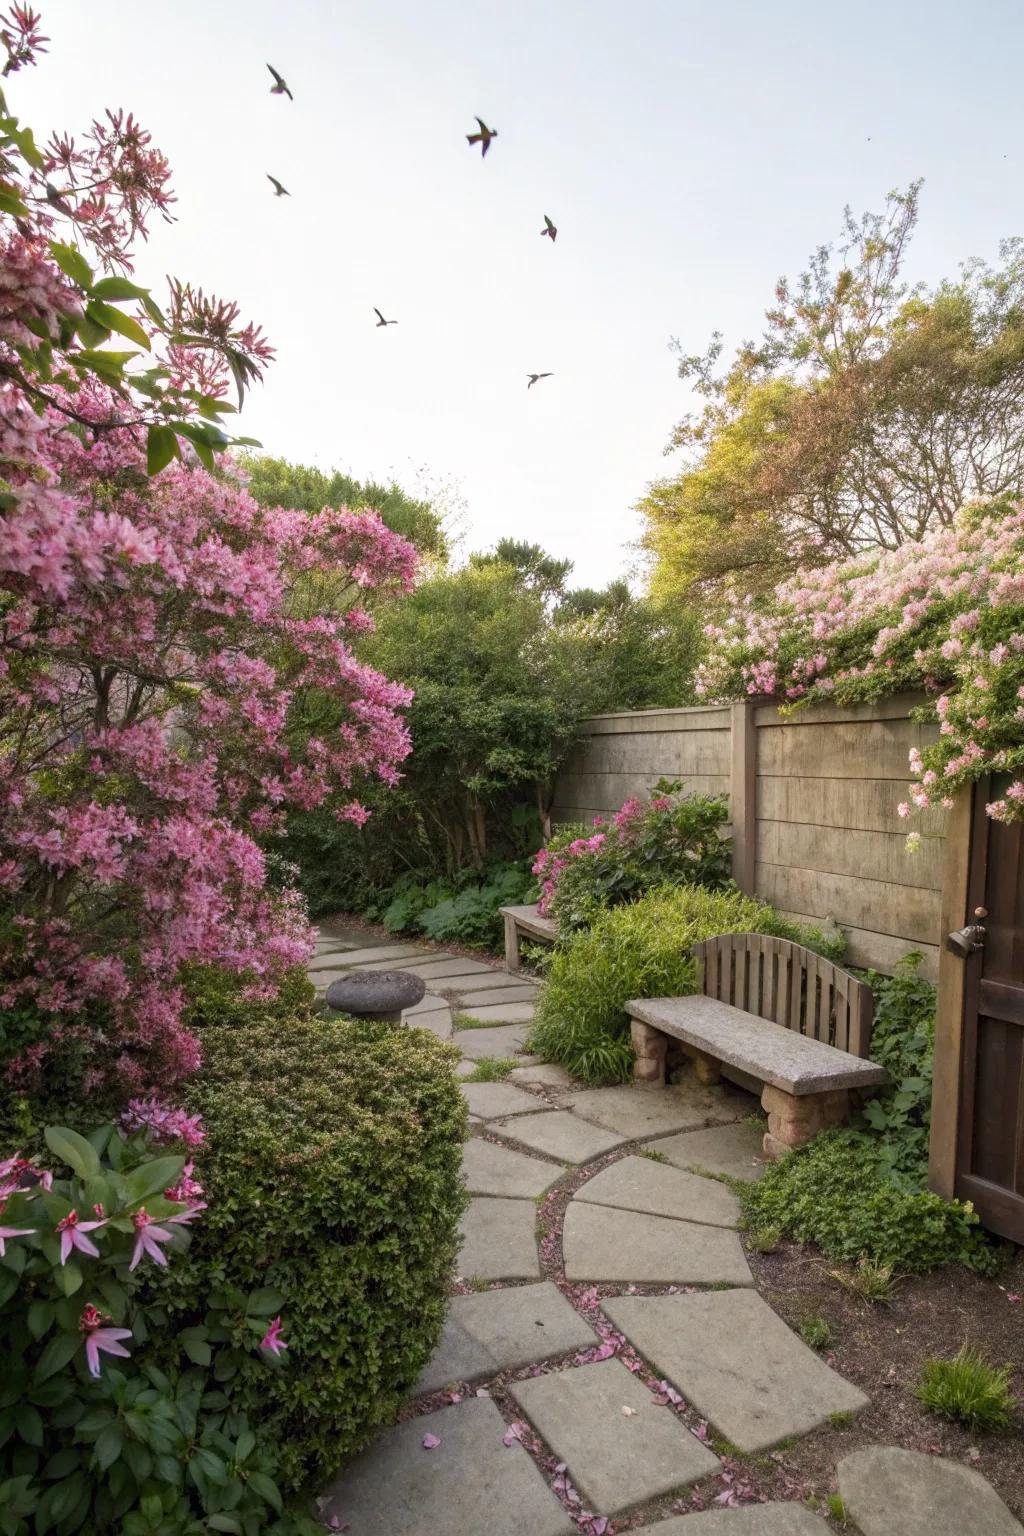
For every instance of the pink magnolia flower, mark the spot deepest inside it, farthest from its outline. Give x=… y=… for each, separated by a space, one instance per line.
x=72 y=1235
x=272 y=1340
x=100 y=1340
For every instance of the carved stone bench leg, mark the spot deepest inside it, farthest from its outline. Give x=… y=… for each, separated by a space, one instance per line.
x=511 y=945
x=651 y=1047
x=793 y=1120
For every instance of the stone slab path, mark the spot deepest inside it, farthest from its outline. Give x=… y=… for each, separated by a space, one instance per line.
x=585 y=1372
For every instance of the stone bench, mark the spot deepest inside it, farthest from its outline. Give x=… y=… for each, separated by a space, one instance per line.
x=769 y=1013
x=528 y=921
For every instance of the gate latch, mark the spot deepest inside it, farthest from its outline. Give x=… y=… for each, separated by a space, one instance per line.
x=964 y=941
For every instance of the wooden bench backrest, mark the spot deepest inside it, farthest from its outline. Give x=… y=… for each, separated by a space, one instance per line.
x=779 y=980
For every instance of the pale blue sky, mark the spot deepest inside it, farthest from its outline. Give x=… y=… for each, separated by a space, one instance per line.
x=688 y=152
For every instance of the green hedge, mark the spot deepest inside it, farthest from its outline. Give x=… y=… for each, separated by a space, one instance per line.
x=332 y=1171
x=638 y=950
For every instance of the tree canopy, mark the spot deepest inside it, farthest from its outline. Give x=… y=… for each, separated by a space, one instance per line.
x=869 y=412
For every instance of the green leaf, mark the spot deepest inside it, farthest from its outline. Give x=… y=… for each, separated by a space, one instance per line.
x=114 y=320
x=263 y=1303
x=161 y=448
x=266 y=1488
x=62 y=1464
x=245 y=1445
x=211 y=1465
x=117 y=288
x=72 y=263
x=68 y=1277
x=29 y=1424
x=225 y=1523
x=73 y=1150
x=11 y=203
x=57 y=1354
x=198 y=1351
x=40 y=1318
x=108 y=1445
x=154 y=1177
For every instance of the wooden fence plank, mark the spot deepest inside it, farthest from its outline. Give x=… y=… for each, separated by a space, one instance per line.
x=876 y=905
x=862 y=804
x=866 y=855
x=869 y=749
x=949 y=1016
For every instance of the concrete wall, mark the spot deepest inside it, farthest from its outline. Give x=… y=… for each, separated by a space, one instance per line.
x=813 y=805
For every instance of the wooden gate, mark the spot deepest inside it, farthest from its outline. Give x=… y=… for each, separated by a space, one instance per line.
x=988 y=1140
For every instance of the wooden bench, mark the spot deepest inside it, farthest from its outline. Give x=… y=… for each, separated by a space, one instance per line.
x=768 y=1012
x=524 y=920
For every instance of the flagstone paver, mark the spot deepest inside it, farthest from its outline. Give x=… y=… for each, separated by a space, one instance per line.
x=501 y=1041
x=374 y=955
x=615 y=1459
x=562 y=1135
x=438 y=968
x=437 y=1020
x=471 y=1484
x=501 y=1013
x=735 y=1360
x=638 y=1184
x=732 y=1149
x=752 y=1520
x=499 y=1240
x=639 y=1112
x=886 y=1491
x=491 y=1169
x=491 y=1100
x=545 y=1073
x=600 y=1243
x=490 y=995
x=464 y=1068
x=494 y=1331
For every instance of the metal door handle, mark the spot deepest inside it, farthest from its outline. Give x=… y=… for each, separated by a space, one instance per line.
x=964 y=941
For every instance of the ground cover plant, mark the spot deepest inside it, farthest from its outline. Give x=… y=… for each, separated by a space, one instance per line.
x=968 y=1389
x=670 y=839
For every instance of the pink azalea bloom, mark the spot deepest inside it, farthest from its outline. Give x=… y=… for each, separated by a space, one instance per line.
x=72 y=1235
x=148 y=1238
x=100 y=1340
x=272 y=1339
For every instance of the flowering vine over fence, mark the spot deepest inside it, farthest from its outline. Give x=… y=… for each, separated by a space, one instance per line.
x=944 y=614
x=175 y=665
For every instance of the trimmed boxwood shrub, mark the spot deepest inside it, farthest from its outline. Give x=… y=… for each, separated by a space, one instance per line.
x=638 y=950
x=332 y=1170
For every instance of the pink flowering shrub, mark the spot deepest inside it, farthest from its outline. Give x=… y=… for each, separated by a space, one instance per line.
x=944 y=614
x=176 y=671
x=670 y=839
x=90 y=1430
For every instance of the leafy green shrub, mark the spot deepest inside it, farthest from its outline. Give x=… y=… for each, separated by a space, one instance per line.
x=639 y=950
x=902 y=1041
x=968 y=1389
x=670 y=839
x=462 y=909
x=332 y=1168
x=836 y=1192
x=93 y=1436
x=815 y=1332
x=217 y=996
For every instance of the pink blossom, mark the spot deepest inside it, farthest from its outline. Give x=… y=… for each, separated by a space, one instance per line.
x=72 y=1235
x=148 y=1238
x=100 y=1340
x=272 y=1340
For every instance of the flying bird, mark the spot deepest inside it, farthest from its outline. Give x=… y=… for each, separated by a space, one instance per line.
x=549 y=230
x=380 y=319
x=279 y=190
x=483 y=138
x=533 y=377
x=280 y=85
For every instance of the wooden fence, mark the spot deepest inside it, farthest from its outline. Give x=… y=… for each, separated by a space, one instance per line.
x=813 y=802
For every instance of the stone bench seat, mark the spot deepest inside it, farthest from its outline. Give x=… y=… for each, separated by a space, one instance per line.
x=525 y=920
x=769 y=1012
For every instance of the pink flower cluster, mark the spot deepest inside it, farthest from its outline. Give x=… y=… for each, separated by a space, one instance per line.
x=549 y=864
x=162 y=1125
x=157 y=646
x=944 y=614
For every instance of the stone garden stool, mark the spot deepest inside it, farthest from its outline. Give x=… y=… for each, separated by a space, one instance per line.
x=382 y=995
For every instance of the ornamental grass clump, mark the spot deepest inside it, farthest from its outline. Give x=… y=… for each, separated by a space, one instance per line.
x=968 y=1389
x=670 y=839
x=944 y=613
x=642 y=949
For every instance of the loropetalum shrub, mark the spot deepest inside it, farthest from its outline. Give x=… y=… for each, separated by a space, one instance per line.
x=838 y=1192
x=670 y=839
x=93 y=1435
x=332 y=1167
x=944 y=613
x=642 y=949
x=176 y=668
